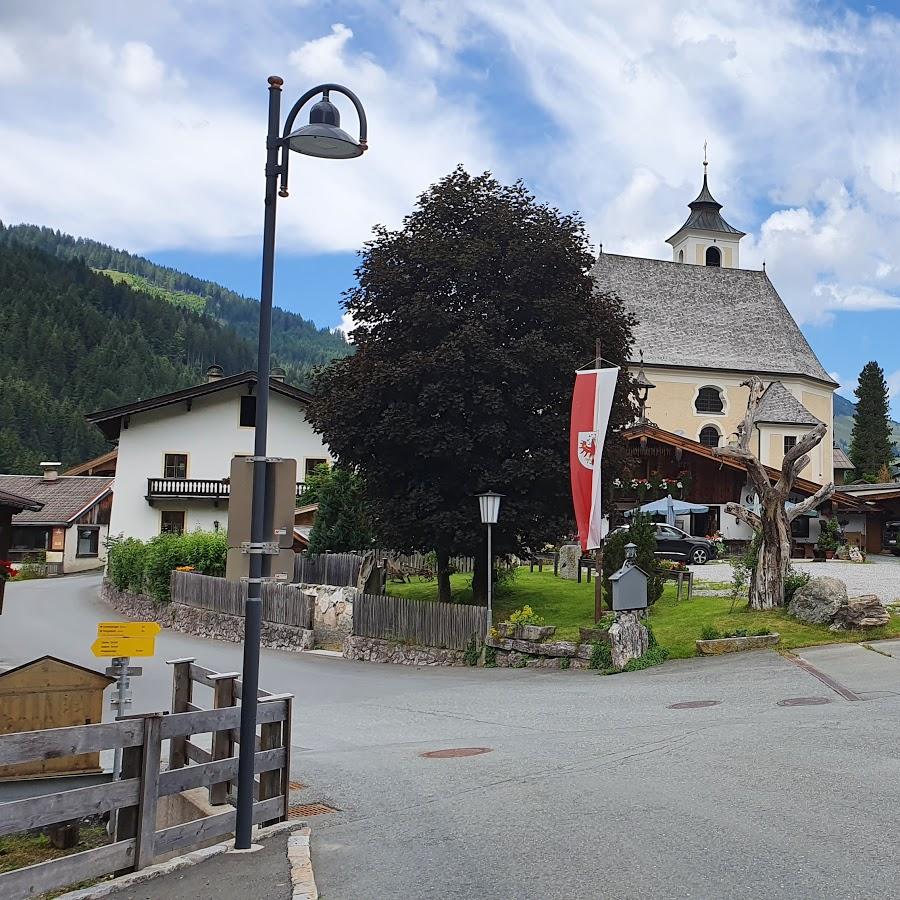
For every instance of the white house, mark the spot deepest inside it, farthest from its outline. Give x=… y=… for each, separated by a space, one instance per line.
x=175 y=450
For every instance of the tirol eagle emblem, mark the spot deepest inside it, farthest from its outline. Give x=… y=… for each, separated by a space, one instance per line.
x=587 y=448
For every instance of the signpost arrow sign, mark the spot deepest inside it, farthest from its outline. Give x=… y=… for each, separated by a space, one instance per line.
x=123 y=646
x=127 y=630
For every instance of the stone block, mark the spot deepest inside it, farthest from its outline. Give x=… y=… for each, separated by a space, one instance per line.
x=569 y=555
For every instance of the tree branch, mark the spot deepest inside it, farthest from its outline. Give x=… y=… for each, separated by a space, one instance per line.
x=820 y=496
x=742 y=514
x=755 y=469
x=745 y=429
x=802 y=447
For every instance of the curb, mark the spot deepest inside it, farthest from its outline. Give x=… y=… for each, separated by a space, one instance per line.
x=302 y=877
x=105 y=888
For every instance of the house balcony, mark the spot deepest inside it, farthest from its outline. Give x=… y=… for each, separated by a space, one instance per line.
x=214 y=489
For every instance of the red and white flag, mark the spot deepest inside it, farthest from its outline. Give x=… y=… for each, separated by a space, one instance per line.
x=591 y=405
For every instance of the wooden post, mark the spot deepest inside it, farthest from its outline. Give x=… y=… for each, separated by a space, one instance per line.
x=182 y=695
x=139 y=822
x=271 y=736
x=222 y=742
x=598 y=553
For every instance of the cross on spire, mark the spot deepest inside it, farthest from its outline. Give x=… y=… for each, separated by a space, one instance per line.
x=705 y=160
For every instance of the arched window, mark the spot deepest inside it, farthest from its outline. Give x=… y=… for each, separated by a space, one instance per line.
x=713 y=256
x=709 y=400
x=681 y=256
x=709 y=436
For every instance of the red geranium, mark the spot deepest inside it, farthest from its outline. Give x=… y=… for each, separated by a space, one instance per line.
x=6 y=570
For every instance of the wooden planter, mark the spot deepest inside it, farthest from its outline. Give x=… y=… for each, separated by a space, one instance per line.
x=736 y=644
x=525 y=632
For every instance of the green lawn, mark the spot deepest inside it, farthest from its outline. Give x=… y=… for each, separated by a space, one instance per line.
x=568 y=605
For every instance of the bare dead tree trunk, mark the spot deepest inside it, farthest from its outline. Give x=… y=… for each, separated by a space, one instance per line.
x=773 y=523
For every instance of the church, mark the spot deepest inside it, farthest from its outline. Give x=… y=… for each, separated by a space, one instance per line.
x=704 y=325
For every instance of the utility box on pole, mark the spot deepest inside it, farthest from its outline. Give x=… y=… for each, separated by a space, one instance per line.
x=281 y=496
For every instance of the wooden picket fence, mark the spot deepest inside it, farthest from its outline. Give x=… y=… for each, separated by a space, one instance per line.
x=338 y=569
x=282 y=603
x=417 y=560
x=422 y=622
x=138 y=840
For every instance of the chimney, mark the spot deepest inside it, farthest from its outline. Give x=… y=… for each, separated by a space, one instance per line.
x=51 y=470
x=214 y=373
x=278 y=374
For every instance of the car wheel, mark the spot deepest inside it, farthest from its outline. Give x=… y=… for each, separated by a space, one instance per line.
x=699 y=556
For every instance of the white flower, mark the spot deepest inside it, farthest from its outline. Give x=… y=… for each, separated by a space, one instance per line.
x=679 y=485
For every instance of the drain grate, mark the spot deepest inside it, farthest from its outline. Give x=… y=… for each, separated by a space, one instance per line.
x=694 y=704
x=303 y=810
x=455 y=752
x=803 y=701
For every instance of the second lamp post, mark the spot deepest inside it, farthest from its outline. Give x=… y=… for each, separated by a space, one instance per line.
x=489 y=504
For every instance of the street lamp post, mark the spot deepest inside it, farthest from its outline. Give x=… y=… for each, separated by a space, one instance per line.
x=489 y=504
x=324 y=138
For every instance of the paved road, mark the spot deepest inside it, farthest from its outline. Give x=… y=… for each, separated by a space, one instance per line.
x=593 y=787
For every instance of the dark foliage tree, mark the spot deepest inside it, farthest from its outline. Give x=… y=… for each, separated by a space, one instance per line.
x=472 y=320
x=871 y=448
x=343 y=522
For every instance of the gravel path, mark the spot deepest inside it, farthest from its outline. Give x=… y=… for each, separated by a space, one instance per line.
x=879 y=575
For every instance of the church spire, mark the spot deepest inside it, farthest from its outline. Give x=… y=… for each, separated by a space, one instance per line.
x=706 y=238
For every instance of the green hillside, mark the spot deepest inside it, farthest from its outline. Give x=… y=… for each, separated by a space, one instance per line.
x=843 y=423
x=73 y=341
x=297 y=344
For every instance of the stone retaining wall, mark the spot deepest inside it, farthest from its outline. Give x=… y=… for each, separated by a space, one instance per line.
x=376 y=650
x=202 y=622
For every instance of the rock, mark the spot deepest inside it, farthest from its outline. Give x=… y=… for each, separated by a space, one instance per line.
x=866 y=611
x=736 y=644
x=525 y=632
x=818 y=602
x=588 y=635
x=855 y=555
x=628 y=639
x=584 y=651
x=569 y=554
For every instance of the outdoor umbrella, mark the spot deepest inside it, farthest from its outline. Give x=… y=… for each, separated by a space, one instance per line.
x=669 y=508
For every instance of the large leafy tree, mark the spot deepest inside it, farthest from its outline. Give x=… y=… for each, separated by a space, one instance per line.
x=871 y=448
x=471 y=320
x=343 y=522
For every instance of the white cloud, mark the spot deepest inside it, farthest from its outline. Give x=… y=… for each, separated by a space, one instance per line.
x=893 y=383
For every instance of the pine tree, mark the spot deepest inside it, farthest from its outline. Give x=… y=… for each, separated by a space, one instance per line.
x=870 y=446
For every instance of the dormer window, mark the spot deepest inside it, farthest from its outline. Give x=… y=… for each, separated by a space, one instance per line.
x=713 y=256
x=709 y=400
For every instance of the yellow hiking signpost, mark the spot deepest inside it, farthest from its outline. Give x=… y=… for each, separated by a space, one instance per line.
x=125 y=639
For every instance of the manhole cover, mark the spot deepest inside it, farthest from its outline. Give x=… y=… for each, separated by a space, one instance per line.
x=803 y=701
x=310 y=809
x=694 y=704
x=455 y=752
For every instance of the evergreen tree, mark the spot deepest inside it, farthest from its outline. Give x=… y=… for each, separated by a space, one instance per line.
x=870 y=444
x=343 y=522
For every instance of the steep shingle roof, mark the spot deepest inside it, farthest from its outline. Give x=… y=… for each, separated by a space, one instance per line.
x=708 y=317
x=778 y=406
x=706 y=215
x=64 y=499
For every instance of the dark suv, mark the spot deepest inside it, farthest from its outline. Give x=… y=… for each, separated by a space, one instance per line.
x=673 y=543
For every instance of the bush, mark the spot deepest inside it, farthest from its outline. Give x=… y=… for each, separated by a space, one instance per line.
x=525 y=616
x=653 y=657
x=709 y=633
x=470 y=657
x=601 y=656
x=125 y=563
x=829 y=535
x=642 y=534
x=793 y=581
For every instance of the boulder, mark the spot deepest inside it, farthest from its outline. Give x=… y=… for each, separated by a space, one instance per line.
x=569 y=554
x=818 y=601
x=628 y=640
x=866 y=611
x=856 y=555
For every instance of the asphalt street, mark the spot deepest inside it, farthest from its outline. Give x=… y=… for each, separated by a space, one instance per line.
x=591 y=787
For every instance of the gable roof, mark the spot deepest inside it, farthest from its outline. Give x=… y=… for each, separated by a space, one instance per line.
x=778 y=406
x=18 y=502
x=100 y=676
x=62 y=501
x=708 y=317
x=104 y=461
x=841 y=460
x=109 y=421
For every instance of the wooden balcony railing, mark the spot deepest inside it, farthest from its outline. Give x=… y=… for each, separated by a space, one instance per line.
x=214 y=489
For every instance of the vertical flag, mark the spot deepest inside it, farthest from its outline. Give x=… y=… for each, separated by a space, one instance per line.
x=591 y=405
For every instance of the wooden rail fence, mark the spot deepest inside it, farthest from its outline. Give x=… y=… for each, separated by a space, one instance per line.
x=425 y=622
x=338 y=569
x=137 y=841
x=282 y=603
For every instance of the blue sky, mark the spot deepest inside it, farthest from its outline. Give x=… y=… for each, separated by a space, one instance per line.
x=147 y=121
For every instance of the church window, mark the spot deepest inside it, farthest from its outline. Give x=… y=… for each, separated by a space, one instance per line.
x=709 y=436
x=681 y=256
x=709 y=400
x=713 y=256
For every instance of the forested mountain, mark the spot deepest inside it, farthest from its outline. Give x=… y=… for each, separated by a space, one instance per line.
x=297 y=344
x=843 y=423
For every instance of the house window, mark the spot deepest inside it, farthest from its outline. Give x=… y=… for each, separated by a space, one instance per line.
x=789 y=442
x=88 y=542
x=713 y=256
x=248 y=411
x=28 y=539
x=175 y=465
x=310 y=465
x=800 y=527
x=709 y=400
x=709 y=436
x=171 y=521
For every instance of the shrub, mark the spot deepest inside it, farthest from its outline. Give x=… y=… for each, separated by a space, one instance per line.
x=793 y=581
x=125 y=563
x=601 y=656
x=470 y=657
x=642 y=533
x=163 y=553
x=565 y=662
x=829 y=535
x=709 y=633
x=653 y=657
x=28 y=571
x=525 y=616
x=490 y=658
x=762 y=632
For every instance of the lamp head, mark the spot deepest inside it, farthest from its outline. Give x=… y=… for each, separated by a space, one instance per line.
x=324 y=137
x=489 y=504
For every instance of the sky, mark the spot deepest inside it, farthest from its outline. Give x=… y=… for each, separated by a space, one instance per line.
x=143 y=125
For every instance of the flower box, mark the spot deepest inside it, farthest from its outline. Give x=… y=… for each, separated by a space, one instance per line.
x=737 y=644
x=525 y=632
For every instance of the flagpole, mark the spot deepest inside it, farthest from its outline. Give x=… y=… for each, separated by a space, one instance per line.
x=598 y=553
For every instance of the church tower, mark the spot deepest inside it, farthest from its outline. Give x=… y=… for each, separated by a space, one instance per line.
x=706 y=239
